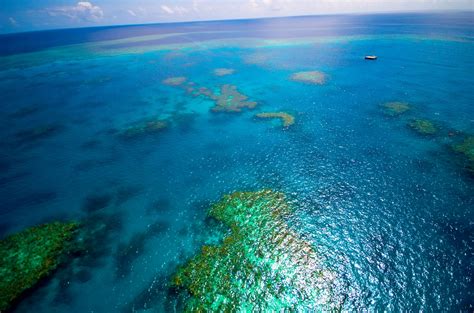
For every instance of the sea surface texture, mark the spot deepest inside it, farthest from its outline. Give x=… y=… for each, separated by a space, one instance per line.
x=246 y=164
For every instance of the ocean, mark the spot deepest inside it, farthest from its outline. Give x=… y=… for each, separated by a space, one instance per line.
x=137 y=131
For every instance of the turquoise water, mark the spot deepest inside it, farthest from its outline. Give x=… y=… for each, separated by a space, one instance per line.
x=386 y=208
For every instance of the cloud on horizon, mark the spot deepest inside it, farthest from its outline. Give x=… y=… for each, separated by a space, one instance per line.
x=46 y=14
x=82 y=11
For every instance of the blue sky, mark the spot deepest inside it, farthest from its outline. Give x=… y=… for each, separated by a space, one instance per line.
x=25 y=15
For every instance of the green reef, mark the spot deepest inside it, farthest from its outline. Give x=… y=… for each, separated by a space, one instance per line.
x=423 y=127
x=466 y=149
x=223 y=71
x=395 y=108
x=286 y=118
x=143 y=127
x=262 y=264
x=310 y=77
x=29 y=256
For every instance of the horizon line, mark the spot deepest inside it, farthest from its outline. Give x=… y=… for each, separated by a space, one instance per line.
x=438 y=11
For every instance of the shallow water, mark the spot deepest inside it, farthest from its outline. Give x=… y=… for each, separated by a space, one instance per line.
x=386 y=208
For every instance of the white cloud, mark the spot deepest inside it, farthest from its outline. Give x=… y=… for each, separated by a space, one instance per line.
x=177 y=9
x=167 y=9
x=195 y=6
x=82 y=11
x=132 y=13
x=180 y=10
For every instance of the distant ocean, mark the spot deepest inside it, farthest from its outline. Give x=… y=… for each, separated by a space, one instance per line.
x=136 y=131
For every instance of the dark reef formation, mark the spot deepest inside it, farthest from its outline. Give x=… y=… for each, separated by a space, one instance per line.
x=142 y=128
x=128 y=252
x=423 y=127
x=262 y=265
x=34 y=134
x=29 y=256
x=466 y=150
x=96 y=202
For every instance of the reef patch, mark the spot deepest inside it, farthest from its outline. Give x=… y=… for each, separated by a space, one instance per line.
x=224 y=71
x=286 y=118
x=229 y=99
x=310 y=77
x=262 y=265
x=423 y=127
x=143 y=127
x=395 y=108
x=175 y=81
x=35 y=134
x=29 y=256
x=466 y=149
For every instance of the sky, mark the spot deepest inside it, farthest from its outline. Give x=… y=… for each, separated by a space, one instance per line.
x=27 y=15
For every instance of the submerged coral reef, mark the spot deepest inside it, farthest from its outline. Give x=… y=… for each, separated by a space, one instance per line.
x=37 y=133
x=423 y=127
x=231 y=100
x=310 y=77
x=143 y=127
x=466 y=149
x=29 y=256
x=257 y=58
x=261 y=265
x=228 y=99
x=223 y=71
x=286 y=118
x=395 y=108
x=175 y=81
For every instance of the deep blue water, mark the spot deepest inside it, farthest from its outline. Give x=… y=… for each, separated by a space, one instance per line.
x=388 y=209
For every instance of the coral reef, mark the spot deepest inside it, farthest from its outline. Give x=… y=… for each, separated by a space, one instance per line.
x=98 y=80
x=287 y=119
x=125 y=193
x=25 y=111
x=175 y=81
x=257 y=58
x=466 y=148
x=423 y=127
x=223 y=71
x=395 y=108
x=310 y=77
x=262 y=265
x=29 y=256
x=96 y=202
x=229 y=99
x=143 y=127
x=37 y=133
x=128 y=252
x=159 y=206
